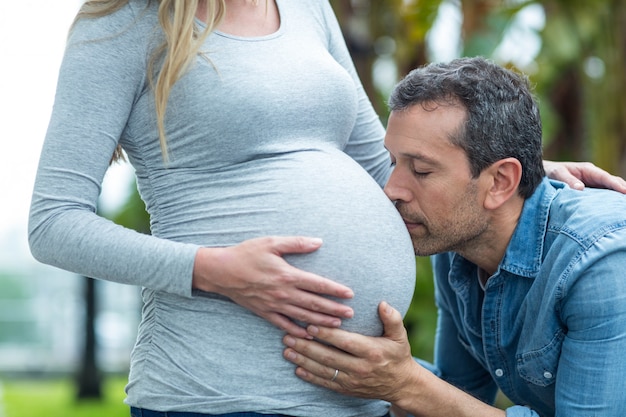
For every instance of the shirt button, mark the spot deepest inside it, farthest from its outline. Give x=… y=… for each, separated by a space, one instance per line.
x=547 y=375
x=499 y=372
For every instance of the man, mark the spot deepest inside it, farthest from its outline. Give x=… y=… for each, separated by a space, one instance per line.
x=529 y=274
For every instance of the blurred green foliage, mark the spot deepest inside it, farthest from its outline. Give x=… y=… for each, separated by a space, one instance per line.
x=420 y=320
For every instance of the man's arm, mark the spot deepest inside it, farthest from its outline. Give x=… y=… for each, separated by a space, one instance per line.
x=591 y=367
x=380 y=367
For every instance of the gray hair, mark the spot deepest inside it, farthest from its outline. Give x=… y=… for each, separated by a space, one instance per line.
x=502 y=115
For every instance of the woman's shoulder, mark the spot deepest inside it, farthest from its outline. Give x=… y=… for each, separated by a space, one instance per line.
x=117 y=42
x=318 y=8
x=320 y=12
x=136 y=16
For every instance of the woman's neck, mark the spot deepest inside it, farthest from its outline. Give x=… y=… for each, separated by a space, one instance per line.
x=247 y=18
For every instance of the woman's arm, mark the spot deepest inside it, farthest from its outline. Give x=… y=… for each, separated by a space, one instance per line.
x=101 y=78
x=579 y=175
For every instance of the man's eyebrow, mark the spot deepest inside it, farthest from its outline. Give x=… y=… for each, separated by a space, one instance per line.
x=416 y=156
x=420 y=157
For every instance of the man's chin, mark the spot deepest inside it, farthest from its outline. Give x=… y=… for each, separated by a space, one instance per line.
x=424 y=253
x=422 y=246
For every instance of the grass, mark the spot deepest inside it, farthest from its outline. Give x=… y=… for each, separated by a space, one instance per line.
x=56 y=398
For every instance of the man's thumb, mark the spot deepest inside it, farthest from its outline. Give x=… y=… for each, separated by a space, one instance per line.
x=392 y=321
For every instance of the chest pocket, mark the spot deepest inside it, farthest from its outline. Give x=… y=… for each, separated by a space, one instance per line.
x=539 y=366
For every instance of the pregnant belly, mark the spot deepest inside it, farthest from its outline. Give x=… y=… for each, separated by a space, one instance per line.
x=321 y=194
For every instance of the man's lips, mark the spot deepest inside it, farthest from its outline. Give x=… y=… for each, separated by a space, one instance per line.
x=411 y=224
x=410 y=221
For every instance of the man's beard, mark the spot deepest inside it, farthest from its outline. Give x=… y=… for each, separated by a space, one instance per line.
x=464 y=226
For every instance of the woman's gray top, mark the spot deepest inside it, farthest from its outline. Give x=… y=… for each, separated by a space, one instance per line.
x=266 y=136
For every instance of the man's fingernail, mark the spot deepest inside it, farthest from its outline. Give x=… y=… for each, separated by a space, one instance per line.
x=289 y=341
x=387 y=308
x=313 y=330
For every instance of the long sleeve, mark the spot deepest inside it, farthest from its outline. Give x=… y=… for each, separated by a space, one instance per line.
x=590 y=370
x=102 y=74
x=591 y=366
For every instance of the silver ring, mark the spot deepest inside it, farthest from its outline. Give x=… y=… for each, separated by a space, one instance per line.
x=334 y=376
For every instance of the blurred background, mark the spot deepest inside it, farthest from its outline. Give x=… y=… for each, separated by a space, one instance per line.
x=65 y=339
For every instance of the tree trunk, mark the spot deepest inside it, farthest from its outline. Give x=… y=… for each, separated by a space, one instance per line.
x=88 y=377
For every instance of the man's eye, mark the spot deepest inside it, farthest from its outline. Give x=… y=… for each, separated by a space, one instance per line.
x=420 y=174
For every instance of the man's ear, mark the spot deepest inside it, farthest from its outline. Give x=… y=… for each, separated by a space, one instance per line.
x=504 y=177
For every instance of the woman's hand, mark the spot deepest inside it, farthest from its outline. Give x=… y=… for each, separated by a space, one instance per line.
x=254 y=275
x=580 y=174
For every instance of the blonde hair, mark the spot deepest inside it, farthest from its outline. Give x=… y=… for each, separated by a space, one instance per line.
x=182 y=43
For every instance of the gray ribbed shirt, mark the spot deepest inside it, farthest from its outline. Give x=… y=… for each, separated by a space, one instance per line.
x=268 y=136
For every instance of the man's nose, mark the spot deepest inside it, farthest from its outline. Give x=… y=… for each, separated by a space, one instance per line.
x=396 y=188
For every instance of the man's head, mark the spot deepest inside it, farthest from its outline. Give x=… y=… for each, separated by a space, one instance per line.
x=466 y=138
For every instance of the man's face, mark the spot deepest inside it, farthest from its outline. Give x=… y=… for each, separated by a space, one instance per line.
x=431 y=183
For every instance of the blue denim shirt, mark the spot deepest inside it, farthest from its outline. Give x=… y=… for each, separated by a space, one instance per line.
x=549 y=328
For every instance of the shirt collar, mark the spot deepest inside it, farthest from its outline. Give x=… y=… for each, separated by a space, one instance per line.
x=524 y=253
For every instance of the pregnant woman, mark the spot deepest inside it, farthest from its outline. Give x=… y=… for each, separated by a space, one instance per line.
x=266 y=132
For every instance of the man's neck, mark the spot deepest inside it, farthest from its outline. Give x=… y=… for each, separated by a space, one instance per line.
x=488 y=249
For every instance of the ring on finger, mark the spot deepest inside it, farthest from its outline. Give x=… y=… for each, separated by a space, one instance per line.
x=335 y=375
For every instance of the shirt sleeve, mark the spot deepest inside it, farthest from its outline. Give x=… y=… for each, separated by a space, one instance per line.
x=102 y=73
x=366 y=143
x=591 y=366
x=590 y=372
